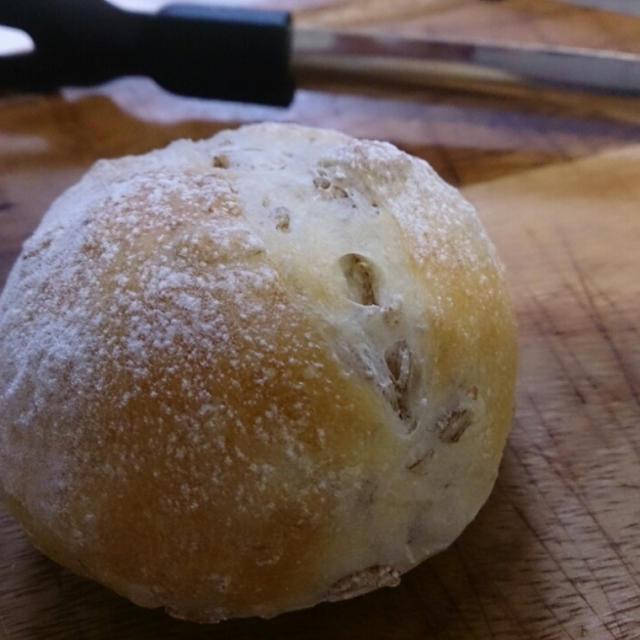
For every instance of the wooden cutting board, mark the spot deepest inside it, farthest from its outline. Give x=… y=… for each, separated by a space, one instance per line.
x=555 y=553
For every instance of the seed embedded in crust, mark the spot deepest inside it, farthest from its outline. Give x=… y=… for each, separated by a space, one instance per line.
x=220 y=161
x=422 y=464
x=399 y=361
x=363 y=581
x=452 y=425
x=339 y=192
x=329 y=188
x=282 y=216
x=361 y=279
x=321 y=182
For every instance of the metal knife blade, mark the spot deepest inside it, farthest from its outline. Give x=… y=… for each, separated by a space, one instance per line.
x=618 y=6
x=576 y=68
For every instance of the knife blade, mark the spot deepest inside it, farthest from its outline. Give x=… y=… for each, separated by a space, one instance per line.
x=567 y=67
x=631 y=7
x=256 y=56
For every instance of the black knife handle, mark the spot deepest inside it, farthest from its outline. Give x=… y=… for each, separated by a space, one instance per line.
x=237 y=54
x=197 y=50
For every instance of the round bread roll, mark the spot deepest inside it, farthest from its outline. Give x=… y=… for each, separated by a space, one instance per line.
x=245 y=375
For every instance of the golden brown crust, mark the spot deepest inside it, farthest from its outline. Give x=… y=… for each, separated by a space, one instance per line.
x=236 y=374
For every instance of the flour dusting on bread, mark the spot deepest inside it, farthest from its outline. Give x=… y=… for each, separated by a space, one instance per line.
x=244 y=375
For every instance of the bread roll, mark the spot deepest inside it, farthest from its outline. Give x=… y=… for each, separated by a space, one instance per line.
x=245 y=375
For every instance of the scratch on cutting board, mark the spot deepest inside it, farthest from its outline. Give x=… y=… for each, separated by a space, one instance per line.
x=552 y=557
x=587 y=303
x=574 y=583
x=596 y=318
x=3 y=629
x=583 y=503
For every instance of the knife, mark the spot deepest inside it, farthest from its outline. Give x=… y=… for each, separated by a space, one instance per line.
x=631 y=7
x=260 y=56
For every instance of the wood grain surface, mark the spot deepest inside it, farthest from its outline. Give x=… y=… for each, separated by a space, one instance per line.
x=555 y=553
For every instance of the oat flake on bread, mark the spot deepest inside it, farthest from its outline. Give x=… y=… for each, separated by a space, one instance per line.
x=245 y=375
